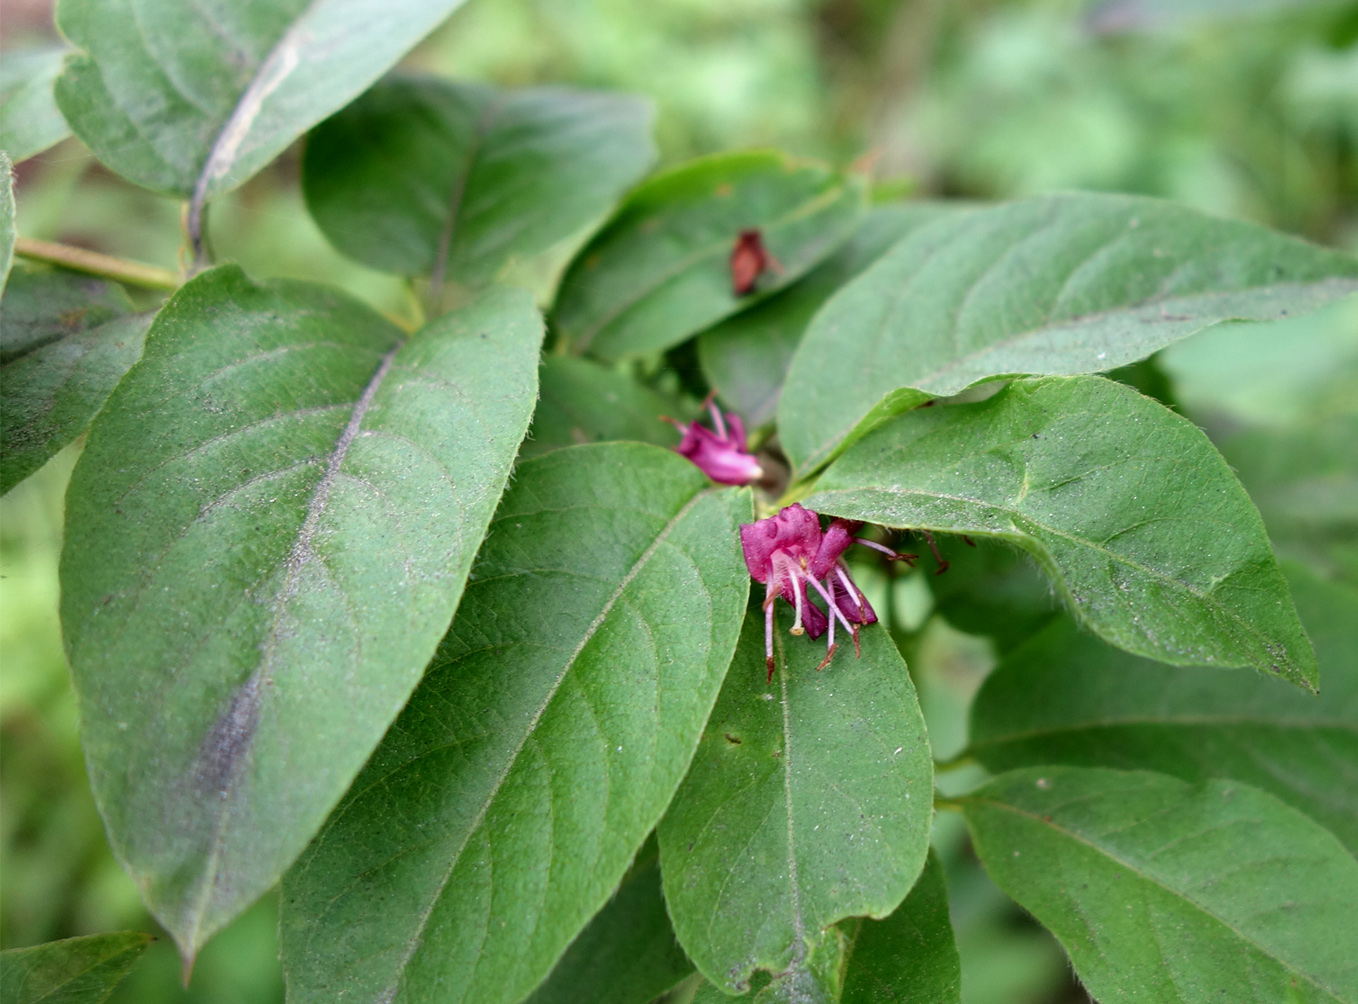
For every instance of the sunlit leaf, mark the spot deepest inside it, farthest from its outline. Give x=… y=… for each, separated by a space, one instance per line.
x=659 y=272
x=809 y=801
x=1170 y=892
x=1127 y=507
x=67 y=340
x=192 y=99
x=266 y=537
x=551 y=730
x=74 y=971
x=1075 y=283
x=1067 y=698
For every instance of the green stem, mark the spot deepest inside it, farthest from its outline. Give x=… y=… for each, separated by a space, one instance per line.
x=944 y=802
x=956 y=763
x=134 y=273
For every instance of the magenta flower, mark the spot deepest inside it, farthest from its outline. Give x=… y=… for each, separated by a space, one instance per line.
x=789 y=553
x=721 y=454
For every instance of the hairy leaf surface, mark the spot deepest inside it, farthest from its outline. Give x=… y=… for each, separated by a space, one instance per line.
x=30 y=121
x=809 y=800
x=7 y=225
x=659 y=272
x=67 y=340
x=74 y=971
x=746 y=356
x=266 y=537
x=1103 y=708
x=506 y=802
x=1126 y=506
x=191 y=99
x=454 y=179
x=1075 y=283
x=1163 y=891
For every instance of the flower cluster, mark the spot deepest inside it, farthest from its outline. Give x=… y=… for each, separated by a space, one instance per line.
x=721 y=454
x=790 y=554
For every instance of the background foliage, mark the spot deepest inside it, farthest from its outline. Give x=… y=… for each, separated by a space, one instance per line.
x=1248 y=113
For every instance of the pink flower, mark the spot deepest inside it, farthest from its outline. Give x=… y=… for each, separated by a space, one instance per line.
x=788 y=552
x=722 y=454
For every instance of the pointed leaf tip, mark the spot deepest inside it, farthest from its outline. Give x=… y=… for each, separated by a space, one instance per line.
x=282 y=466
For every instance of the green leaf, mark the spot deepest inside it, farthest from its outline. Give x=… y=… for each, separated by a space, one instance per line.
x=74 y=971
x=67 y=342
x=548 y=736
x=910 y=956
x=584 y=402
x=1067 y=698
x=427 y=176
x=814 y=979
x=1163 y=891
x=30 y=121
x=1126 y=506
x=1305 y=482
x=193 y=99
x=1284 y=373
x=809 y=800
x=746 y=356
x=1075 y=283
x=991 y=589
x=7 y=224
x=627 y=954
x=42 y=306
x=266 y=536
x=659 y=272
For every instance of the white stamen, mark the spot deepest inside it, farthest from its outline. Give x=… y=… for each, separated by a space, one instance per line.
x=797 y=628
x=834 y=607
x=876 y=546
x=853 y=592
x=718 y=422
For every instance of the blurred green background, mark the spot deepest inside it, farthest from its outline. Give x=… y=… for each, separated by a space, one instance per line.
x=1246 y=108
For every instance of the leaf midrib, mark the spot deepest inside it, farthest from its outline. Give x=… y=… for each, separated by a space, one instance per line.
x=798 y=921
x=1047 y=327
x=417 y=935
x=97 y=963
x=1084 y=320
x=1179 y=895
x=297 y=558
x=234 y=131
x=485 y=121
x=1169 y=580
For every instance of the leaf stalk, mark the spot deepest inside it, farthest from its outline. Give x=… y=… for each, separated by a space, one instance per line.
x=134 y=273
